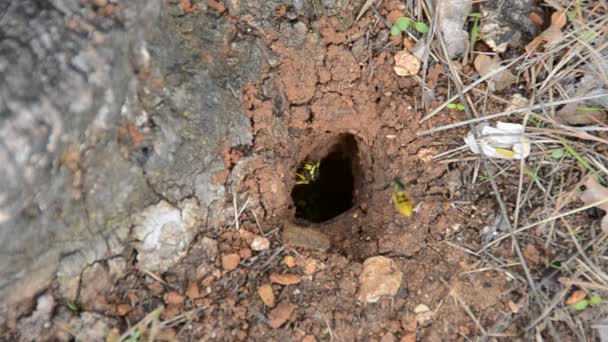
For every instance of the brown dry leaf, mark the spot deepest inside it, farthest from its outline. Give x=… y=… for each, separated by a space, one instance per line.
x=279 y=315
x=552 y=34
x=596 y=192
x=285 y=279
x=532 y=254
x=576 y=297
x=406 y=64
x=486 y=65
x=267 y=295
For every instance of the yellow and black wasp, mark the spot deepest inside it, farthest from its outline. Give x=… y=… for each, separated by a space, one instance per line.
x=401 y=198
x=308 y=174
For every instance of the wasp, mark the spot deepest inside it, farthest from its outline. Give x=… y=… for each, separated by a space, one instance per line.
x=401 y=199
x=308 y=174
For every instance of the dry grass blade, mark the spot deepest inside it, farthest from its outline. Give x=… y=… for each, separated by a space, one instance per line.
x=364 y=9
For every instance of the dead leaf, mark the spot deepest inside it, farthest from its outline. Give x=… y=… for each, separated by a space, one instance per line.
x=576 y=297
x=267 y=295
x=486 y=65
x=406 y=64
x=532 y=254
x=596 y=192
x=285 y=279
x=451 y=18
x=553 y=34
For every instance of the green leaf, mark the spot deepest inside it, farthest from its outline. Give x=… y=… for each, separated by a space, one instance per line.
x=595 y=300
x=73 y=306
x=403 y=23
x=582 y=305
x=451 y=106
x=395 y=31
x=475 y=15
x=577 y=156
x=460 y=106
x=588 y=36
x=557 y=154
x=421 y=27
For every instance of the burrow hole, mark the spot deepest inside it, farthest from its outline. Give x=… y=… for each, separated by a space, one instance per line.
x=335 y=184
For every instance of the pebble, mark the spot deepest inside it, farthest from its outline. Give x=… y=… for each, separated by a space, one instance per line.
x=230 y=261
x=285 y=279
x=267 y=295
x=289 y=261
x=379 y=277
x=260 y=243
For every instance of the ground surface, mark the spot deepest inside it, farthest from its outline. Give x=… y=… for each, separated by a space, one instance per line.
x=327 y=85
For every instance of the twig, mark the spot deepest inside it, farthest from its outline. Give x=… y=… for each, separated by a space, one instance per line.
x=569 y=283
x=532 y=225
x=506 y=113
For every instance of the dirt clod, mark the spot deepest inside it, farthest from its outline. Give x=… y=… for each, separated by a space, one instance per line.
x=230 y=261
x=193 y=291
x=279 y=315
x=174 y=298
x=305 y=237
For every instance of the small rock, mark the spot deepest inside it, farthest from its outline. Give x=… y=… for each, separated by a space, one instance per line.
x=174 y=298
x=305 y=237
x=123 y=309
x=265 y=292
x=193 y=291
x=164 y=233
x=289 y=261
x=285 y=279
x=406 y=64
x=279 y=315
x=230 y=262
x=420 y=308
x=245 y=253
x=260 y=243
x=379 y=277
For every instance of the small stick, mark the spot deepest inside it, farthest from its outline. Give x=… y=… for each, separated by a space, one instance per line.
x=507 y=113
x=569 y=282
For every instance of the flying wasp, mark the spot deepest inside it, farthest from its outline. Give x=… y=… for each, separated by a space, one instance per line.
x=308 y=174
x=401 y=199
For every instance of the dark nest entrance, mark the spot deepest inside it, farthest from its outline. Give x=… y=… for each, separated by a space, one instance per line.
x=328 y=185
